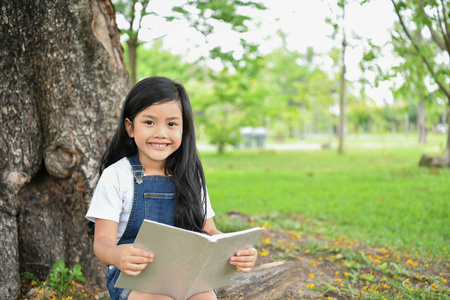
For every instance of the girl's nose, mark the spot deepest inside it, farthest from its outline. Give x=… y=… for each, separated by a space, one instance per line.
x=160 y=132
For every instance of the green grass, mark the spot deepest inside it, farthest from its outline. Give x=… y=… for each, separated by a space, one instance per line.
x=378 y=196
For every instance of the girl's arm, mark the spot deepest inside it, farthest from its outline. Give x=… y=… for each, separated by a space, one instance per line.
x=244 y=260
x=210 y=227
x=129 y=260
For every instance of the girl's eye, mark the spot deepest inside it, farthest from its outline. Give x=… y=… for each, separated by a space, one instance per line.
x=149 y=122
x=172 y=124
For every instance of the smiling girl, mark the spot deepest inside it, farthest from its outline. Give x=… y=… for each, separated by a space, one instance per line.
x=151 y=170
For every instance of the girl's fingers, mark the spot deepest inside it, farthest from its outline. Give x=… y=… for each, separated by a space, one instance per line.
x=140 y=252
x=141 y=259
x=244 y=270
x=247 y=252
x=244 y=260
x=131 y=272
x=244 y=264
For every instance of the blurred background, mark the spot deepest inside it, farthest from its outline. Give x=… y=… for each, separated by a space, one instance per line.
x=267 y=73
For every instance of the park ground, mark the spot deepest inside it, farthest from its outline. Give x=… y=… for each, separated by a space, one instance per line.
x=368 y=224
x=337 y=268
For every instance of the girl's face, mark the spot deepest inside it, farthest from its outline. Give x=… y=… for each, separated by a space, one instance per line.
x=157 y=132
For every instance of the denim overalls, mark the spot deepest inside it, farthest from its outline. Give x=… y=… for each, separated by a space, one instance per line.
x=153 y=200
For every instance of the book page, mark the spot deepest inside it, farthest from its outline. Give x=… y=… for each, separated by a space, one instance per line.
x=186 y=262
x=217 y=271
x=176 y=255
x=229 y=234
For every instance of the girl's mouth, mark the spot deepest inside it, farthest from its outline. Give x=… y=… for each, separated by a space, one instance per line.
x=159 y=145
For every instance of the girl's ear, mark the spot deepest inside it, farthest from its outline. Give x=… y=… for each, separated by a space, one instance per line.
x=129 y=127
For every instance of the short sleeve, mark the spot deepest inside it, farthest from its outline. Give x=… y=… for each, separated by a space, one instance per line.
x=209 y=211
x=106 y=202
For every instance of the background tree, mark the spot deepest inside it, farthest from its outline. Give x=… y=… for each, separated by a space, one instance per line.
x=300 y=93
x=155 y=60
x=339 y=27
x=133 y=11
x=434 y=16
x=202 y=15
x=61 y=83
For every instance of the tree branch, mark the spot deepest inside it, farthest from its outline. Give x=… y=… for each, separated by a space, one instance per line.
x=422 y=56
x=446 y=29
x=435 y=36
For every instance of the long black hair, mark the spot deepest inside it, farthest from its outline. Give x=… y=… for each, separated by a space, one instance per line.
x=184 y=164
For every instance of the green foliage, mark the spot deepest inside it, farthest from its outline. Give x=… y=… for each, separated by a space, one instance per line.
x=218 y=10
x=59 y=283
x=31 y=277
x=423 y=55
x=156 y=61
x=61 y=277
x=380 y=196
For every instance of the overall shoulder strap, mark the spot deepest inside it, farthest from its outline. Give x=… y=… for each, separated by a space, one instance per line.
x=136 y=168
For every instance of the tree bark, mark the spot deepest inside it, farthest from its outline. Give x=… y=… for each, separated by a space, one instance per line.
x=264 y=282
x=62 y=80
x=421 y=123
x=132 y=56
x=342 y=102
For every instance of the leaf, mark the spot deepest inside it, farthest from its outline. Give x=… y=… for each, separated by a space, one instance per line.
x=369 y=56
x=179 y=9
x=59 y=266
x=77 y=268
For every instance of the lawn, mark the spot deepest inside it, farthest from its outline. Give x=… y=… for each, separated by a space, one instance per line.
x=378 y=196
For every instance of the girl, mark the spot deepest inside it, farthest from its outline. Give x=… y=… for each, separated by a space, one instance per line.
x=151 y=170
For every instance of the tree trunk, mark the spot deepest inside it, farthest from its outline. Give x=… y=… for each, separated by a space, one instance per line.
x=421 y=123
x=132 y=55
x=439 y=161
x=264 y=282
x=342 y=100
x=62 y=79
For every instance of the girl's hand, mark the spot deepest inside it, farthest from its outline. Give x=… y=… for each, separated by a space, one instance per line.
x=132 y=261
x=244 y=260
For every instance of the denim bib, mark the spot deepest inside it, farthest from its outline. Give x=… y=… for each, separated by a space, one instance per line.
x=153 y=200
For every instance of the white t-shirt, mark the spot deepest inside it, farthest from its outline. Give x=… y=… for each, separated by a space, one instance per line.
x=113 y=196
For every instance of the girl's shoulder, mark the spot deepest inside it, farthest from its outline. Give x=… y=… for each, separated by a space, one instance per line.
x=120 y=167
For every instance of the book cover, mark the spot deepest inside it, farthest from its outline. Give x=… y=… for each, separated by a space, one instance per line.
x=185 y=262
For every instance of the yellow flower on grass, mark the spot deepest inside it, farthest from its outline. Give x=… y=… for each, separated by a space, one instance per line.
x=295 y=235
x=310 y=285
x=311 y=275
x=266 y=241
x=263 y=252
x=300 y=291
x=412 y=263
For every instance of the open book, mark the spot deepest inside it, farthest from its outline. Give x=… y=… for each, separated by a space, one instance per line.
x=186 y=263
